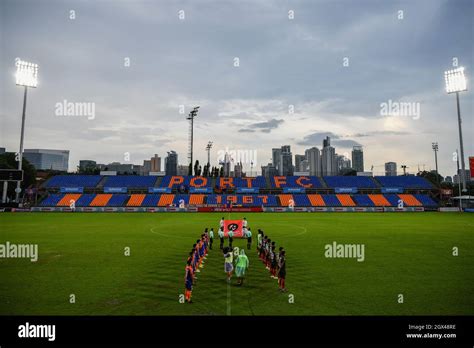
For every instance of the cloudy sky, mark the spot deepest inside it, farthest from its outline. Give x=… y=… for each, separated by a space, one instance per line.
x=265 y=74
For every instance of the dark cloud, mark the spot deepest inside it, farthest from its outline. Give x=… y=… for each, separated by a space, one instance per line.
x=264 y=127
x=316 y=139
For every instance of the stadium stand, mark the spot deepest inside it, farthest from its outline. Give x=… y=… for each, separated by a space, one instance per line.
x=101 y=200
x=136 y=200
x=278 y=183
x=425 y=200
x=350 y=181
x=151 y=200
x=316 y=200
x=295 y=182
x=331 y=201
x=407 y=182
x=410 y=200
x=66 y=200
x=88 y=181
x=379 y=200
x=363 y=201
x=130 y=181
x=346 y=200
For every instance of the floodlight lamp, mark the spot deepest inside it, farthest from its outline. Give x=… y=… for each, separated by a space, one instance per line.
x=455 y=80
x=26 y=74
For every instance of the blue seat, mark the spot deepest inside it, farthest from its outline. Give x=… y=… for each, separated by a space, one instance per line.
x=85 y=200
x=350 y=181
x=363 y=200
x=89 y=181
x=331 y=200
x=130 y=181
x=117 y=200
x=52 y=200
x=408 y=182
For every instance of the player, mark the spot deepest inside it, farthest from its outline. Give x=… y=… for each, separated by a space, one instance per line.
x=248 y=234
x=228 y=259
x=282 y=271
x=262 y=249
x=259 y=240
x=188 y=282
x=241 y=265
x=273 y=263
x=211 y=238
x=220 y=233
x=230 y=234
x=244 y=223
x=221 y=224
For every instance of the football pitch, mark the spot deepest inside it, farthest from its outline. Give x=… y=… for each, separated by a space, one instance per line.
x=408 y=266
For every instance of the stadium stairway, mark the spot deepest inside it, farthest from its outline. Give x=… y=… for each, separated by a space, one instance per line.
x=379 y=200
x=101 y=182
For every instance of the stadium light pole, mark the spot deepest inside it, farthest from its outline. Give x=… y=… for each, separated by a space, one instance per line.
x=191 y=117
x=459 y=181
x=455 y=83
x=208 y=149
x=434 y=146
x=26 y=76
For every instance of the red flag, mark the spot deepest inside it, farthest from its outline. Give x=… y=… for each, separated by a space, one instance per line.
x=234 y=226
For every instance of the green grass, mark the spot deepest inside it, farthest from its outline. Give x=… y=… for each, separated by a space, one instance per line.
x=83 y=254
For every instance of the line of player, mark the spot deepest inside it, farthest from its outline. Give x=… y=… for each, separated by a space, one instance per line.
x=195 y=261
x=274 y=262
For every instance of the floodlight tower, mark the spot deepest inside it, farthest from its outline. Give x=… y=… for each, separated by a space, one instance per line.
x=190 y=117
x=208 y=149
x=455 y=83
x=26 y=76
x=404 y=167
x=434 y=146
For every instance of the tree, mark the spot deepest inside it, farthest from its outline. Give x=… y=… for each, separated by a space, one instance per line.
x=190 y=169
x=432 y=177
x=196 y=167
x=221 y=171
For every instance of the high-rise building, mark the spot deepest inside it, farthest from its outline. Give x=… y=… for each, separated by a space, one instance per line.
x=120 y=168
x=390 y=169
x=269 y=170
x=286 y=167
x=276 y=158
x=298 y=160
x=358 y=158
x=342 y=163
x=44 y=159
x=238 y=170
x=313 y=156
x=155 y=164
x=171 y=163
x=328 y=158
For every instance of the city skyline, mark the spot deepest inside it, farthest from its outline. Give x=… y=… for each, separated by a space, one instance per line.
x=298 y=80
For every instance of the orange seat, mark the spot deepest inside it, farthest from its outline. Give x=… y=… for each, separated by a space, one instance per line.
x=316 y=200
x=165 y=200
x=285 y=200
x=101 y=200
x=410 y=200
x=196 y=199
x=346 y=200
x=136 y=200
x=379 y=200
x=66 y=200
